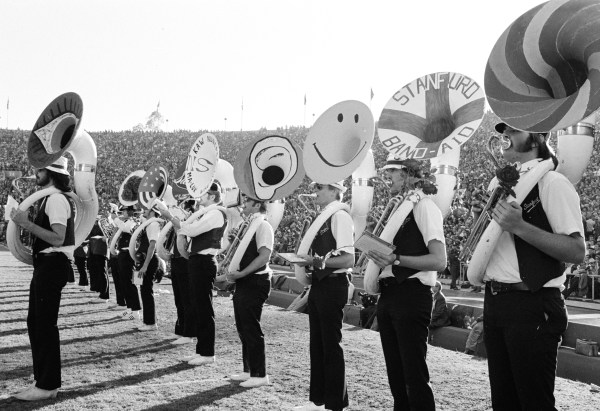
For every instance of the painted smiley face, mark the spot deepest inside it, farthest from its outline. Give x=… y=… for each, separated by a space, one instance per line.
x=338 y=141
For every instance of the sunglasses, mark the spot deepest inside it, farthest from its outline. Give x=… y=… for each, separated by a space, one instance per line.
x=319 y=187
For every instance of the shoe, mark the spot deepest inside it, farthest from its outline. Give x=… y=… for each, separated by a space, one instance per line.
x=183 y=340
x=311 y=406
x=28 y=387
x=36 y=394
x=148 y=327
x=200 y=360
x=240 y=377
x=255 y=382
x=189 y=358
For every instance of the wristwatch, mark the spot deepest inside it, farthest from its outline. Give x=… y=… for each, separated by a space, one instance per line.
x=397 y=260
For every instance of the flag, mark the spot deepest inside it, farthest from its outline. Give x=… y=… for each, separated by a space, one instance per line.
x=158 y=105
x=304 y=98
x=7 y=103
x=372 y=94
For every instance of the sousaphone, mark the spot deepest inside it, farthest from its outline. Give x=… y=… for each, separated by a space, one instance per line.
x=57 y=131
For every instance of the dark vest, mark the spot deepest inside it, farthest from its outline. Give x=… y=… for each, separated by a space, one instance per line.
x=250 y=254
x=408 y=241
x=536 y=268
x=323 y=243
x=144 y=243
x=209 y=239
x=123 y=241
x=43 y=221
x=98 y=246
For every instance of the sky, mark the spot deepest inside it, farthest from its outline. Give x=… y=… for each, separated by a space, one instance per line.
x=201 y=59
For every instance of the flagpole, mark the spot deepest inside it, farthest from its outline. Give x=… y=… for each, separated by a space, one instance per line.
x=242 y=116
x=304 y=120
x=7 y=109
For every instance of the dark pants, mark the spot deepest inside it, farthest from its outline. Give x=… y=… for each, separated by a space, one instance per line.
x=80 y=264
x=202 y=270
x=454 y=274
x=99 y=275
x=185 y=325
x=147 y=292
x=50 y=274
x=403 y=314
x=130 y=291
x=251 y=292
x=522 y=345
x=326 y=301
x=114 y=269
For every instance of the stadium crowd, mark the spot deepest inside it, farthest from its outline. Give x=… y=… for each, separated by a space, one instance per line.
x=121 y=152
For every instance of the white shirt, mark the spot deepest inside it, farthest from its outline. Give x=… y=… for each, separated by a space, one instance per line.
x=210 y=220
x=58 y=210
x=428 y=218
x=264 y=238
x=153 y=231
x=560 y=202
x=342 y=229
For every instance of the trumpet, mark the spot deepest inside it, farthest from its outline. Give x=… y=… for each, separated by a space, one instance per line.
x=307 y=221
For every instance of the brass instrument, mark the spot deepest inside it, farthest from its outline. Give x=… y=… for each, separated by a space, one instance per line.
x=233 y=245
x=388 y=211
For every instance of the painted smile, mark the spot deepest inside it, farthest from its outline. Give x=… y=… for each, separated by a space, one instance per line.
x=337 y=165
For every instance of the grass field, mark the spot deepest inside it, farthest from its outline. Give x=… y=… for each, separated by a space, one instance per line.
x=108 y=364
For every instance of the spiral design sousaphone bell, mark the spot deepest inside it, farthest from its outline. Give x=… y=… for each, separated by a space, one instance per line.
x=544 y=72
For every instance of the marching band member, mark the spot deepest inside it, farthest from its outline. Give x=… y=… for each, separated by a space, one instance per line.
x=404 y=308
x=146 y=256
x=52 y=250
x=185 y=326
x=97 y=252
x=125 y=264
x=114 y=270
x=524 y=312
x=326 y=301
x=206 y=234
x=252 y=288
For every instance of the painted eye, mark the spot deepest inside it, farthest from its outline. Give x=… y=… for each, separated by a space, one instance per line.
x=356 y=118
x=340 y=117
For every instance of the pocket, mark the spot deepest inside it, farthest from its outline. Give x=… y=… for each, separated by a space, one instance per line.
x=555 y=312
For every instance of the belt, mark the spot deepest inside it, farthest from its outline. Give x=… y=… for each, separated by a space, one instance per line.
x=48 y=255
x=497 y=287
x=124 y=249
x=392 y=281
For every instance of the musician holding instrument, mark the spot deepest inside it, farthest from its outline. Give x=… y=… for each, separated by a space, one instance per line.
x=146 y=256
x=524 y=312
x=206 y=234
x=97 y=262
x=331 y=258
x=126 y=224
x=404 y=307
x=53 y=246
x=185 y=326
x=252 y=288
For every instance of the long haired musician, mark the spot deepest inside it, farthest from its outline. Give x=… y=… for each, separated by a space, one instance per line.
x=524 y=312
x=404 y=307
x=53 y=246
x=206 y=234
x=327 y=298
x=252 y=288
